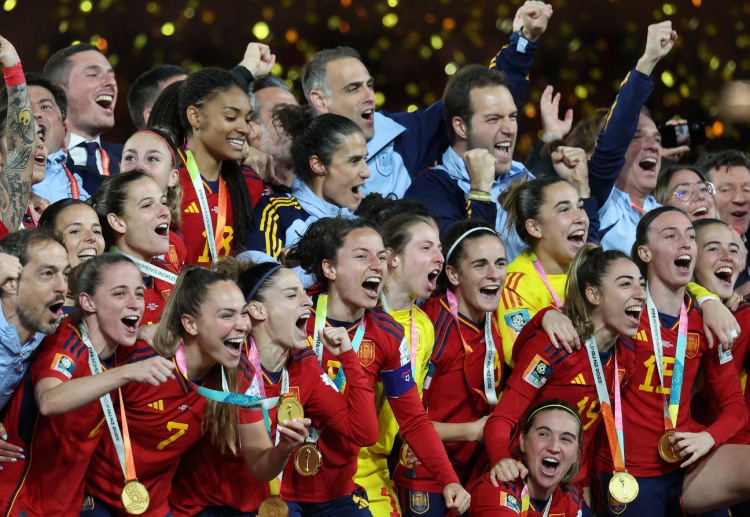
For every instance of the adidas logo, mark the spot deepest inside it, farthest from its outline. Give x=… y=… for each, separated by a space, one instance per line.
x=192 y=209
x=157 y=405
x=642 y=335
x=579 y=380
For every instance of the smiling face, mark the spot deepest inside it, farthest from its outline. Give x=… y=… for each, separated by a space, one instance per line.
x=221 y=124
x=48 y=116
x=687 y=184
x=149 y=152
x=40 y=156
x=117 y=304
x=287 y=308
x=421 y=261
x=551 y=448
x=143 y=229
x=81 y=233
x=92 y=94
x=733 y=196
x=352 y=94
x=479 y=277
x=642 y=160
x=718 y=263
x=620 y=299
x=562 y=226
x=222 y=326
x=345 y=175
x=360 y=269
x=493 y=124
x=670 y=250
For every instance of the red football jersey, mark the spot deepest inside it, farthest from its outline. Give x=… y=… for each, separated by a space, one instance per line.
x=454 y=391
x=164 y=421
x=177 y=251
x=193 y=231
x=58 y=449
x=384 y=354
x=545 y=372
x=207 y=478
x=642 y=399
x=488 y=501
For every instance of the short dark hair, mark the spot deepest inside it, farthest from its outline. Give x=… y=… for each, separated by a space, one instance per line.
x=268 y=81
x=457 y=94
x=57 y=92
x=728 y=158
x=316 y=75
x=146 y=88
x=57 y=68
x=18 y=243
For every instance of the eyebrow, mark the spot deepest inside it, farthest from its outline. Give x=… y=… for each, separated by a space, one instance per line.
x=624 y=277
x=564 y=202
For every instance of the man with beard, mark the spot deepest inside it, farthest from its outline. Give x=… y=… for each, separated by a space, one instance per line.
x=30 y=301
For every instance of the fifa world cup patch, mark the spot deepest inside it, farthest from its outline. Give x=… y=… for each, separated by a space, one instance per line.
x=537 y=372
x=517 y=320
x=511 y=502
x=64 y=365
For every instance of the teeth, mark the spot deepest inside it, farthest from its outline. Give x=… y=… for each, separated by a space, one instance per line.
x=373 y=279
x=130 y=318
x=649 y=160
x=162 y=226
x=724 y=271
x=491 y=288
x=236 y=141
x=87 y=253
x=700 y=211
x=505 y=145
x=367 y=113
x=304 y=317
x=684 y=257
x=635 y=308
x=104 y=98
x=577 y=233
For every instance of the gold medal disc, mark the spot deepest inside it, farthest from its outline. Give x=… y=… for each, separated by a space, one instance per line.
x=135 y=497
x=403 y=456
x=273 y=507
x=623 y=487
x=666 y=451
x=307 y=460
x=289 y=409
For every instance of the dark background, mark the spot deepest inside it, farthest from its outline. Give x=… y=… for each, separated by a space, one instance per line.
x=407 y=44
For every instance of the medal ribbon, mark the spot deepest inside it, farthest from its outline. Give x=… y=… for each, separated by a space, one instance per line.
x=239 y=399
x=540 y=271
x=672 y=408
x=75 y=191
x=120 y=440
x=321 y=312
x=150 y=269
x=613 y=424
x=526 y=503
x=490 y=350
x=214 y=240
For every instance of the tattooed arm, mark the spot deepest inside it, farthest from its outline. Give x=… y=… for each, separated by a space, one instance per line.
x=15 y=179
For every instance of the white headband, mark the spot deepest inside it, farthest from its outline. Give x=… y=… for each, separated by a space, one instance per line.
x=463 y=236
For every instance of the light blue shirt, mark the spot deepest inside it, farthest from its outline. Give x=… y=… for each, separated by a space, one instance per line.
x=618 y=220
x=387 y=170
x=55 y=185
x=15 y=358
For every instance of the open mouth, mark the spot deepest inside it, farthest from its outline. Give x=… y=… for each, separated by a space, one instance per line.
x=301 y=325
x=131 y=322
x=550 y=466
x=40 y=159
x=55 y=308
x=369 y=115
x=234 y=346
x=739 y=214
x=699 y=212
x=490 y=292
x=432 y=278
x=86 y=254
x=724 y=274
x=162 y=230
x=648 y=164
x=372 y=286
x=634 y=314
x=237 y=143
x=104 y=100
x=683 y=263
x=577 y=238
x=356 y=193
x=503 y=149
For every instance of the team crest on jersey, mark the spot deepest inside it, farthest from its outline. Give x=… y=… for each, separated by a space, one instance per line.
x=64 y=365
x=419 y=502
x=693 y=345
x=537 y=372
x=366 y=352
x=509 y=501
x=517 y=320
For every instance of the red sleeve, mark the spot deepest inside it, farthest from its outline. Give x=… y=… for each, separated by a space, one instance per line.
x=254 y=184
x=725 y=383
x=352 y=416
x=62 y=364
x=498 y=430
x=421 y=436
x=3 y=230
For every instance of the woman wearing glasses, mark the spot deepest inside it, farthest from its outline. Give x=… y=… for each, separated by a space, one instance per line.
x=686 y=188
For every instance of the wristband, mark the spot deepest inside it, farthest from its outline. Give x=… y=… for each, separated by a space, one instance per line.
x=14 y=75
x=480 y=197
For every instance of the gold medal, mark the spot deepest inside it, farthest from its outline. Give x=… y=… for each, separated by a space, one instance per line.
x=134 y=497
x=289 y=409
x=623 y=487
x=403 y=456
x=273 y=507
x=666 y=451
x=307 y=460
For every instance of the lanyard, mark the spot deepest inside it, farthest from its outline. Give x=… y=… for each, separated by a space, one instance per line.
x=121 y=440
x=526 y=503
x=321 y=311
x=412 y=333
x=613 y=423
x=239 y=399
x=489 y=353
x=150 y=269
x=540 y=271
x=75 y=191
x=672 y=409
x=214 y=240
